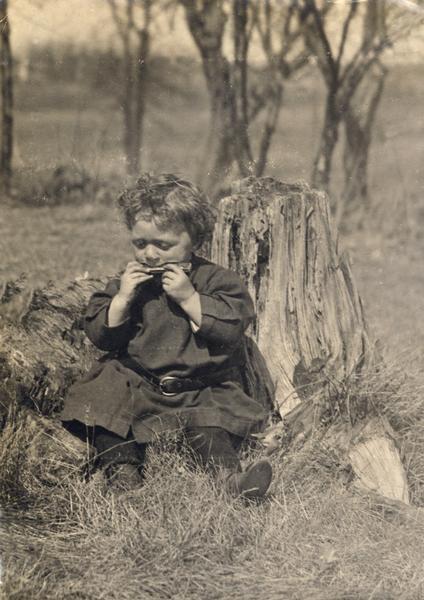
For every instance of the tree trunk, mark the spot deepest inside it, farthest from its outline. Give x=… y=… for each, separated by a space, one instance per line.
x=219 y=155
x=227 y=151
x=273 y=109
x=131 y=159
x=133 y=28
x=310 y=325
x=329 y=136
x=6 y=101
x=134 y=101
x=358 y=125
x=243 y=153
x=206 y=22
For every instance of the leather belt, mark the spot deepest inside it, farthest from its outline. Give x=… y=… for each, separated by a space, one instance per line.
x=171 y=385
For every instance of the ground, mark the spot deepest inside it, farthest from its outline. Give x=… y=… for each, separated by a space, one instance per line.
x=180 y=537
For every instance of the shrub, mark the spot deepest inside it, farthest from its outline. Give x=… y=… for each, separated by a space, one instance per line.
x=66 y=184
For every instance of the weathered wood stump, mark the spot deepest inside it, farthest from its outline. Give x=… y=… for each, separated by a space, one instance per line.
x=310 y=329
x=310 y=325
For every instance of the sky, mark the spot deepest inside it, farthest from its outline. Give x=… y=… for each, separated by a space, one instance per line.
x=89 y=22
x=84 y=22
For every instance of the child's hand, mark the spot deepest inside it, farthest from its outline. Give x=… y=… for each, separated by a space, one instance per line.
x=133 y=275
x=176 y=284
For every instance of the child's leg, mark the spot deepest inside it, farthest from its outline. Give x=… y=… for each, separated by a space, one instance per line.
x=217 y=449
x=119 y=458
x=115 y=450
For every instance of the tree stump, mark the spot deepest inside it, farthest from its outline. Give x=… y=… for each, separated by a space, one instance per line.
x=310 y=329
x=310 y=325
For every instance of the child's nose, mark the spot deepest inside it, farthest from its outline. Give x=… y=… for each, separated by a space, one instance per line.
x=151 y=253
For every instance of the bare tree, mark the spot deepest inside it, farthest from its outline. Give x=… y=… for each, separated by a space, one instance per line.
x=348 y=47
x=133 y=19
x=236 y=101
x=358 y=124
x=6 y=101
x=226 y=141
x=285 y=54
x=342 y=71
x=384 y=21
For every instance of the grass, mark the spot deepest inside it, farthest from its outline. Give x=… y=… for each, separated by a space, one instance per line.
x=62 y=242
x=391 y=282
x=180 y=536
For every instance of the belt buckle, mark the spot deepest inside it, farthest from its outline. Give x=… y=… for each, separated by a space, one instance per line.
x=163 y=381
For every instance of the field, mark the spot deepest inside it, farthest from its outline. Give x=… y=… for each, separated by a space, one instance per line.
x=180 y=537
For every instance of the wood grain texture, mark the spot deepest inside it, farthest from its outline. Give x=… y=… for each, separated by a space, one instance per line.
x=310 y=326
x=309 y=314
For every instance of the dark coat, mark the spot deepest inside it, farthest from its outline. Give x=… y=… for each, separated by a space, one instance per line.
x=158 y=335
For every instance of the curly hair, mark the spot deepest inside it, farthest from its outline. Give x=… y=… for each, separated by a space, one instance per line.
x=169 y=201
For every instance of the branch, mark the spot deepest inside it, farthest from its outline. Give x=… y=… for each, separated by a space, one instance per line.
x=120 y=25
x=289 y=37
x=288 y=67
x=130 y=14
x=317 y=41
x=257 y=102
x=297 y=63
x=353 y=77
x=265 y=34
x=206 y=21
x=370 y=31
x=241 y=44
x=251 y=22
x=147 y=6
x=376 y=98
x=346 y=26
x=319 y=29
x=274 y=105
x=277 y=60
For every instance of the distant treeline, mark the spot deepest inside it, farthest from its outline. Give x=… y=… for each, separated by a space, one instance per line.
x=97 y=67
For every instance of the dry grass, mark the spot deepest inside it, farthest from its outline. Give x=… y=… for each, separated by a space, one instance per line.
x=180 y=537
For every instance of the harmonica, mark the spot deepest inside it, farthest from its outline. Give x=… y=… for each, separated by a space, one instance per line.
x=186 y=267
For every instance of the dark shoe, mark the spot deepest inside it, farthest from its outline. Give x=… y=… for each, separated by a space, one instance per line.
x=124 y=477
x=252 y=483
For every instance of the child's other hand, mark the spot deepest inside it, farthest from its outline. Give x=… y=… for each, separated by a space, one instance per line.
x=176 y=284
x=133 y=275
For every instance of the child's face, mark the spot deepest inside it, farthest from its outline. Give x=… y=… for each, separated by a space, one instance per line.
x=154 y=247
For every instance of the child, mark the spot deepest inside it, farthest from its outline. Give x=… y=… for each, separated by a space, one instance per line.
x=173 y=327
